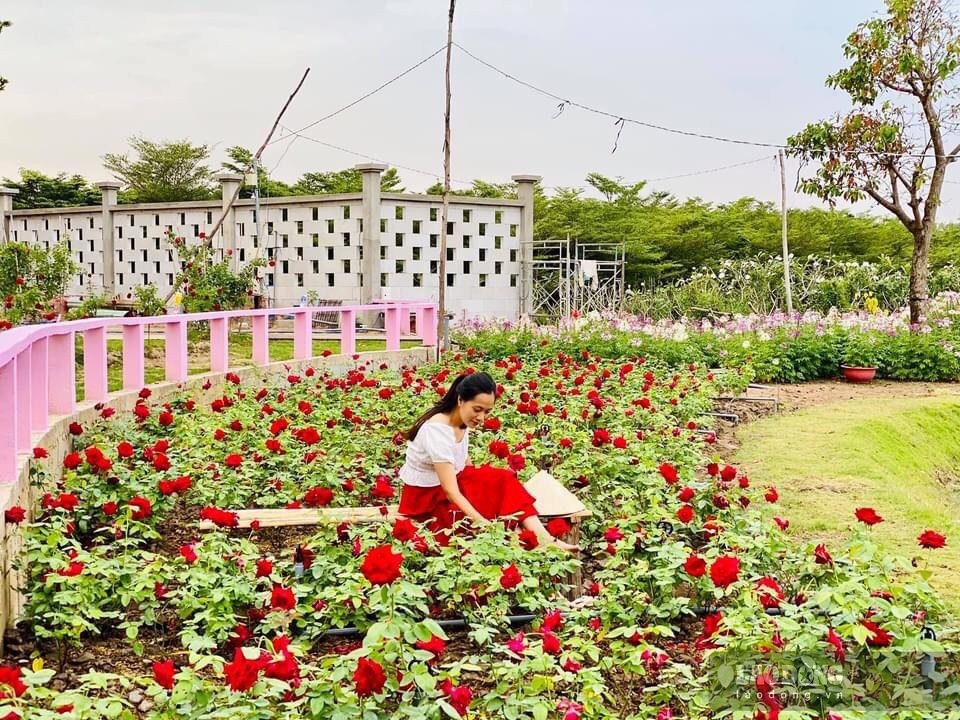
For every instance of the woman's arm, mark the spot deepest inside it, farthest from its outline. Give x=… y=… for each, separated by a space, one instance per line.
x=451 y=488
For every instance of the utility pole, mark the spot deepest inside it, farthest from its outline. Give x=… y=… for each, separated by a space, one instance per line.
x=442 y=265
x=786 y=249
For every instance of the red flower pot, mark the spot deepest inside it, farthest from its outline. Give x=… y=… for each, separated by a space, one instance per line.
x=858 y=374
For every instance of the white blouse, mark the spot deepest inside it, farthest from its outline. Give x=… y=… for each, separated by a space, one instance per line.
x=436 y=442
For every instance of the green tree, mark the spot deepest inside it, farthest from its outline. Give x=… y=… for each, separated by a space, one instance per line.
x=241 y=161
x=162 y=171
x=37 y=190
x=480 y=188
x=4 y=24
x=343 y=181
x=891 y=146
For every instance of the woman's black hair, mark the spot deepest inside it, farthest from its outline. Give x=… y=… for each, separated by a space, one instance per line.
x=465 y=387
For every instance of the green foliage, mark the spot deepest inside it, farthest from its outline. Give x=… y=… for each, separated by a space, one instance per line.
x=148 y=302
x=162 y=171
x=755 y=285
x=208 y=282
x=479 y=188
x=343 y=181
x=241 y=161
x=32 y=279
x=36 y=190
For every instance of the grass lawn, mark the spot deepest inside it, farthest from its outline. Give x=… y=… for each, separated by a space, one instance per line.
x=900 y=456
x=198 y=349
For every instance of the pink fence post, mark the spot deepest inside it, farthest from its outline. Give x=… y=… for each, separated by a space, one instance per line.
x=348 y=332
x=175 y=350
x=391 y=321
x=62 y=374
x=419 y=328
x=302 y=335
x=8 y=424
x=261 y=340
x=22 y=405
x=132 y=357
x=38 y=385
x=95 y=365
x=219 y=345
x=428 y=333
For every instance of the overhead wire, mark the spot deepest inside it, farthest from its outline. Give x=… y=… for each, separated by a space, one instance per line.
x=621 y=120
x=375 y=90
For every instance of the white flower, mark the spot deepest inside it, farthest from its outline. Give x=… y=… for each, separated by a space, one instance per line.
x=746 y=344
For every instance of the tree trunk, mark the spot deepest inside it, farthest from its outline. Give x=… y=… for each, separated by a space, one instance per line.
x=920 y=271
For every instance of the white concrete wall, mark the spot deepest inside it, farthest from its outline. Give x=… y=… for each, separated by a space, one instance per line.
x=314 y=244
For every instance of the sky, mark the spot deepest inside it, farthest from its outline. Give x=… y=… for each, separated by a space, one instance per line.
x=86 y=76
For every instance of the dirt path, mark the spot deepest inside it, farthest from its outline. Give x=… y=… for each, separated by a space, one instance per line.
x=818 y=393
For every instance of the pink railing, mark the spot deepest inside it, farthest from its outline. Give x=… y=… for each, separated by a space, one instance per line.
x=38 y=368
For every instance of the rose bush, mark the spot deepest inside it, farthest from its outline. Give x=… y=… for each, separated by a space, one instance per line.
x=703 y=602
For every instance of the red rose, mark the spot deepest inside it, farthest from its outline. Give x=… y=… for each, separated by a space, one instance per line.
x=821 y=556
x=771 y=495
x=528 y=539
x=318 y=497
x=770 y=592
x=15 y=515
x=435 y=645
x=686 y=494
x=141 y=508
x=368 y=678
x=499 y=449
x=600 y=437
x=725 y=570
x=385 y=393
x=669 y=473
x=125 y=450
x=492 y=424
x=308 y=435
x=163 y=673
x=878 y=636
x=382 y=487
x=264 y=568
x=278 y=426
x=242 y=674
x=72 y=461
x=72 y=570
x=404 y=529
x=685 y=514
x=282 y=598
x=10 y=677
x=39 y=453
x=835 y=640
x=161 y=462
x=510 y=577
x=551 y=643
x=517 y=462
x=931 y=540
x=565 y=443
x=868 y=516
x=188 y=554
x=234 y=461
x=76 y=428
x=695 y=566
x=381 y=566
x=558 y=527
x=728 y=473
x=220 y=518
x=109 y=508
x=165 y=418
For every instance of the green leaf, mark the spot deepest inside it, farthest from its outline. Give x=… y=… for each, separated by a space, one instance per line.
x=726 y=675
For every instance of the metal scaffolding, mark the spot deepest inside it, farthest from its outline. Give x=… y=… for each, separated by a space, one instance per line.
x=570 y=276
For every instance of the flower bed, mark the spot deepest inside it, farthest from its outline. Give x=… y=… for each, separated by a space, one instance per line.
x=704 y=603
x=776 y=347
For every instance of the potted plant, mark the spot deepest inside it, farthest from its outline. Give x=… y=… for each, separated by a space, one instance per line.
x=861 y=357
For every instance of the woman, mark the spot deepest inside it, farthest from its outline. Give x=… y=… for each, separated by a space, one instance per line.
x=441 y=485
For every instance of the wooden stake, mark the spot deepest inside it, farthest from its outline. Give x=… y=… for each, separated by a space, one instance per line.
x=442 y=265
x=786 y=249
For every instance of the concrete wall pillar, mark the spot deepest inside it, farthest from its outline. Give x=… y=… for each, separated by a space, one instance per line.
x=370 y=237
x=526 y=185
x=108 y=190
x=229 y=183
x=6 y=207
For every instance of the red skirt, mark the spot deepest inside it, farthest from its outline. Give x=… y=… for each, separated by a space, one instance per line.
x=494 y=492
